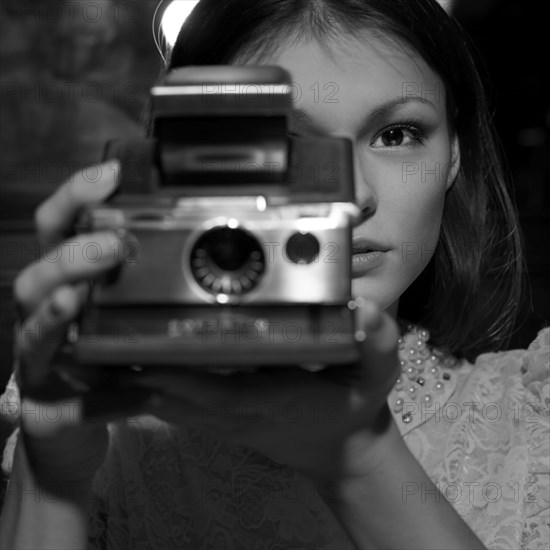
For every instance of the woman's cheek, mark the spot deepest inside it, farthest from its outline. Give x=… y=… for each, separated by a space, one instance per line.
x=417 y=208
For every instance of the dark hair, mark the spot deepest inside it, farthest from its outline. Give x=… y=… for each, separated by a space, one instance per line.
x=468 y=295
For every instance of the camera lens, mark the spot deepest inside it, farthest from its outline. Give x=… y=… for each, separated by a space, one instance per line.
x=227 y=260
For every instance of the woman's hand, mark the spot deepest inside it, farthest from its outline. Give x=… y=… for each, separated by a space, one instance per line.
x=329 y=425
x=49 y=294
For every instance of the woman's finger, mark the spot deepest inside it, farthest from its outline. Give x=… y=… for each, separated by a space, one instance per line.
x=40 y=335
x=83 y=257
x=54 y=217
x=378 y=334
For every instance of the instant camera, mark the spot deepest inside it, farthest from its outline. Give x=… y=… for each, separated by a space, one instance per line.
x=237 y=234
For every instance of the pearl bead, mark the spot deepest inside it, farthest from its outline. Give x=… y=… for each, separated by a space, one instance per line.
x=410 y=372
x=416 y=357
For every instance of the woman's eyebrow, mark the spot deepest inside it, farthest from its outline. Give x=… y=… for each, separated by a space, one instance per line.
x=387 y=108
x=301 y=119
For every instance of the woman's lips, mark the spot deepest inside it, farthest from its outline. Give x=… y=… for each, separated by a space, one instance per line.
x=362 y=262
x=366 y=255
x=362 y=244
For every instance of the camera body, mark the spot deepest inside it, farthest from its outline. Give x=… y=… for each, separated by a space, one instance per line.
x=237 y=235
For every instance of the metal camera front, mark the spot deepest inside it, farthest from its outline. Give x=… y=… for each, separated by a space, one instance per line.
x=220 y=245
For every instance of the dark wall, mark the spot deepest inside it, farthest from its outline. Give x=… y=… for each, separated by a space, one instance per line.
x=74 y=74
x=511 y=39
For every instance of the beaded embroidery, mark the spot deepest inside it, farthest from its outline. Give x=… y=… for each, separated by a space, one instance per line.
x=426 y=381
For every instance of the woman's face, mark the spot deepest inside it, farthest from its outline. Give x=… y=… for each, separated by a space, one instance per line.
x=392 y=106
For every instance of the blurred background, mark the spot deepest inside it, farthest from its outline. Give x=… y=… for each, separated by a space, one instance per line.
x=76 y=73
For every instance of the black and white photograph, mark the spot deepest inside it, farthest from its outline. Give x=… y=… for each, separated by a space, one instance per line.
x=274 y=275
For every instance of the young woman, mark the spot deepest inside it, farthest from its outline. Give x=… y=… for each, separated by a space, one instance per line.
x=432 y=441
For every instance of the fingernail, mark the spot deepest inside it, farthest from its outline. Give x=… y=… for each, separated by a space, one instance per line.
x=60 y=302
x=56 y=306
x=109 y=179
x=113 y=167
x=103 y=249
x=130 y=246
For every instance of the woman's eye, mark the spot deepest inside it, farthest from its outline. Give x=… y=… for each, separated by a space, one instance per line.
x=399 y=136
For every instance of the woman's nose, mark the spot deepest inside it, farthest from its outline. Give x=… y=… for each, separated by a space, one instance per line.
x=365 y=197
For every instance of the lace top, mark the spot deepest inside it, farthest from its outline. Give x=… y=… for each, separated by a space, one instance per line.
x=480 y=431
